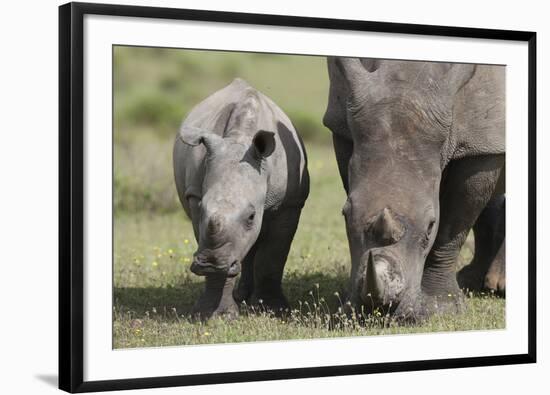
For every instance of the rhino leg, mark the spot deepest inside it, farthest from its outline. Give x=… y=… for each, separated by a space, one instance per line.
x=270 y=259
x=495 y=279
x=245 y=288
x=468 y=186
x=486 y=271
x=217 y=298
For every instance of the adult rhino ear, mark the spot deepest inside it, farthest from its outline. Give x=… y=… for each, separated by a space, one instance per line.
x=353 y=69
x=264 y=143
x=459 y=75
x=194 y=136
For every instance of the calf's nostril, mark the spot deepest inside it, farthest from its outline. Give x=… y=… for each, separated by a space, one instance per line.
x=234 y=269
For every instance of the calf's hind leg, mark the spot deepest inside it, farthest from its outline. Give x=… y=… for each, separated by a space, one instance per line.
x=271 y=256
x=468 y=186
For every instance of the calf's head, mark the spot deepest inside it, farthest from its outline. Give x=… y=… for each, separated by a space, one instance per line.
x=399 y=115
x=231 y=205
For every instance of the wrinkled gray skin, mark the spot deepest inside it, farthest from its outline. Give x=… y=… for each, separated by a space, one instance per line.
x=241 y=175
x=420 y=149
x=487 y=270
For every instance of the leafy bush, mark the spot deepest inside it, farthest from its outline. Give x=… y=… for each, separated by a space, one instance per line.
x=156 y=110
x=310 y=128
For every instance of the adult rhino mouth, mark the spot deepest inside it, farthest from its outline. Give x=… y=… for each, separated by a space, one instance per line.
x=203 y=268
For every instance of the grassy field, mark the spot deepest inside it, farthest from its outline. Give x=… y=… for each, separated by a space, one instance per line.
x=154 y=289
x=154 y=242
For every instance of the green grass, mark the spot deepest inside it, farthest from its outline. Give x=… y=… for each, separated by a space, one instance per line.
x=155 y=290
x=169 y=328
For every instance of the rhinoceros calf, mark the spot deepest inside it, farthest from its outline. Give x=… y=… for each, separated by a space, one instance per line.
x=421 y=151
x=241 y=175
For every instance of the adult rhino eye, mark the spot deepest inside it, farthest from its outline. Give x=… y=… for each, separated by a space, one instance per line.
x=426 y=240
x=251 y=217
x=430 y=228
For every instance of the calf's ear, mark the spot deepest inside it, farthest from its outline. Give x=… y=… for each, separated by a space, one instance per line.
x=193 y=136
x=264 y=143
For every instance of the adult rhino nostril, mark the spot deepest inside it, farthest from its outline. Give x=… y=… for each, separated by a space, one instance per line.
x=387 y=229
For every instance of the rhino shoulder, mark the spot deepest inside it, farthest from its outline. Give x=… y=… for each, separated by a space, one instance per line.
x=214 y=112
x=479 y=114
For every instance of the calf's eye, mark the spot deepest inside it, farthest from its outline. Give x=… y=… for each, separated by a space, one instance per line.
x=249 y=221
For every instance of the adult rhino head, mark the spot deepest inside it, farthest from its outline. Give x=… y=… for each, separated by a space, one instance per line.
x=232 y=201
x=391 y=123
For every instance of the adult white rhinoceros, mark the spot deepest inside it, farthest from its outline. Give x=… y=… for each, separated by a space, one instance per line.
x=421 y=151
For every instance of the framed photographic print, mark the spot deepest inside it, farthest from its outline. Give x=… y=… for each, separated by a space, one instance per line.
x=251 y=197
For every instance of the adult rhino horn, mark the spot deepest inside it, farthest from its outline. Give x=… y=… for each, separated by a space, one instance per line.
x=193 y=136
x=387 y=228
x=373 y=288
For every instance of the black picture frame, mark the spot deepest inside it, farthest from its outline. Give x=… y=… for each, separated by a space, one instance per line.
x=71 y=198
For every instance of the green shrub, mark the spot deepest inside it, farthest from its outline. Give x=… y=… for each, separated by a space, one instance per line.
x=309 y=127
x=153 y=109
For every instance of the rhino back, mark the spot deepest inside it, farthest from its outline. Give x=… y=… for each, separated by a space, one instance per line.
x=478 y=113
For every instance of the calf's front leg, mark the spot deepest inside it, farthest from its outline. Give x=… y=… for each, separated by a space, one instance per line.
x=217 y=298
